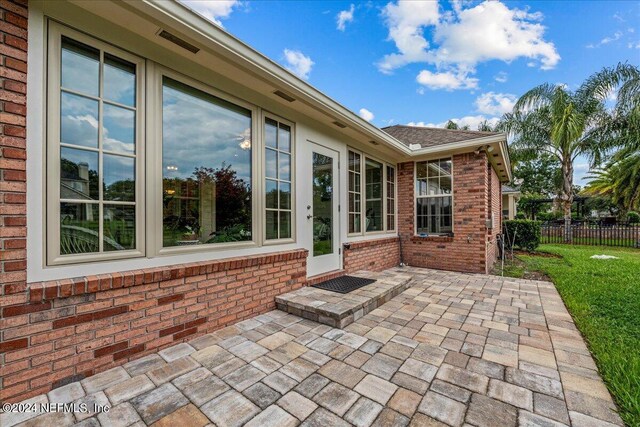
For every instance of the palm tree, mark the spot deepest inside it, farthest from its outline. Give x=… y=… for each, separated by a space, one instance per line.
x=619 y=181
x=566 y=124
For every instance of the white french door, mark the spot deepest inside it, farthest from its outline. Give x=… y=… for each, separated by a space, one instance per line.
x=322 y=216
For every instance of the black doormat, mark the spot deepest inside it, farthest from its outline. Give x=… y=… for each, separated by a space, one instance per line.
x=344 y=284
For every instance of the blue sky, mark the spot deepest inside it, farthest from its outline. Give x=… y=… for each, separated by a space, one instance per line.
x=424 y=63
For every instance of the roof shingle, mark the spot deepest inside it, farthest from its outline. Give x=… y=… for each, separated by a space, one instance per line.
x=431 y=137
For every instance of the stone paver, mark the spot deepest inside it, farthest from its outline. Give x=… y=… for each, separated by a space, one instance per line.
x=451 y=350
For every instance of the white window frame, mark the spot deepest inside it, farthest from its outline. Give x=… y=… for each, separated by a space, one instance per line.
x=363 y=203
x=416 y=197
x=154 y=175
x=280 y=120
x=392 y=197
x=54 y=48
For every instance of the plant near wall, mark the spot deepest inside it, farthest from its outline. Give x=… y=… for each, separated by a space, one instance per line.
x=566 y=124
x=522 y=233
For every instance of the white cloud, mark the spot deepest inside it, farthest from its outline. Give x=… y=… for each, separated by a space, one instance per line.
x=298 y=63
x=495 y=104
x=344 y=17
x=501 y=77
x=446 y=80
x=366 y=114
x=464 y=37
x=472 y=121
x=634 y=45
x=616 y=36
x=214 y=10
x=492 y=31
x=405 y=21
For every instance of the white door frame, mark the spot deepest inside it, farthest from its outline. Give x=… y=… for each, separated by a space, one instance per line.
x=320 y=264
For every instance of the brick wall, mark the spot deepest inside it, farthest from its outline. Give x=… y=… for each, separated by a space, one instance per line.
x=13 y=185
x=372 y=255
x=494 y=207
x=466 y=251
x=70 y=329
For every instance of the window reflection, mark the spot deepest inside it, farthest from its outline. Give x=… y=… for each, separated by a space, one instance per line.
x=373 y=194
x=433 y=204
x=206 y=162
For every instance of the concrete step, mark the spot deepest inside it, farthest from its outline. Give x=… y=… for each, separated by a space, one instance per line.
x=339 y=310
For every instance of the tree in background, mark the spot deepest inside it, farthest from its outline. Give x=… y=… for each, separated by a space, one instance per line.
x=566 y=124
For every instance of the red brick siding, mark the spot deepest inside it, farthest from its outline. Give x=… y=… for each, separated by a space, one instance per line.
x=466 y=251
x=372 y=255
x=77 y=327
x=13 y=178
x=494 y=206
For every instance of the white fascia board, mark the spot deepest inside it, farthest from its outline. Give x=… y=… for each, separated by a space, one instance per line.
x=175 y=12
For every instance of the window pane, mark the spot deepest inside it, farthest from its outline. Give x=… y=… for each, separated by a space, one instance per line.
x=78 y=120
x=119 y=178
x=284 y=166
x=79 y=228
x=373 y=192
x=433 y=168
x=119 y=227
x=271 y=163
x=78 y=174
x=119 y=129
x=270 y=133
x=272 y=194
x=285 y=225
x=354 y=161
x=272 y=225
x=206 y=167
x=285 y=195
x=284 y=138
x=119 y=80
x=80 y=67
x=421 y=170
x=445 y=167
x=322 y=204
x=354 y=223
x=391 y=222
x=373 y=218
x=445 y=185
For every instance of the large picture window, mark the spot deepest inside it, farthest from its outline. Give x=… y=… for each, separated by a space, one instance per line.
x=278 y=145
x=433 y=197
x=371 y=195
x=94 y=197
x=206 y=168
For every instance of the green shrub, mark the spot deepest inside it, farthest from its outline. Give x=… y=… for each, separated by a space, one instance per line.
x=523 y=234
x=633 y=217
x=520 y=215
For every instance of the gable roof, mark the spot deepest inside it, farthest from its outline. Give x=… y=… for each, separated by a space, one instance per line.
x=508 y=189
x=432 y=137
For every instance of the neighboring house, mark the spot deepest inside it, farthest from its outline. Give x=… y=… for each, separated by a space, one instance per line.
x=178 y=180
x=510 y=197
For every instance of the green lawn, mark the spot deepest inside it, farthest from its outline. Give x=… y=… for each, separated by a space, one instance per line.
x=603 y=297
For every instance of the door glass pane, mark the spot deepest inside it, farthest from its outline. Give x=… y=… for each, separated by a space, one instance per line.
x=285 y=225
x=272 y=194
x=272 y=224
x=284 y=138
x=322 y=204
x=271 y=163
x=285 y=195
x=79 y=226
x=373 y=193
x=271 y=133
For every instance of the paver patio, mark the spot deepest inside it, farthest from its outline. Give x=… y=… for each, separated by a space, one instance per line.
x=452 y=349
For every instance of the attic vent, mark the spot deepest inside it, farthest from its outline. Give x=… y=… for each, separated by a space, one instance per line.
x=177 y=40
x=374 y=142
x=340 y=125
x=284 y=96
